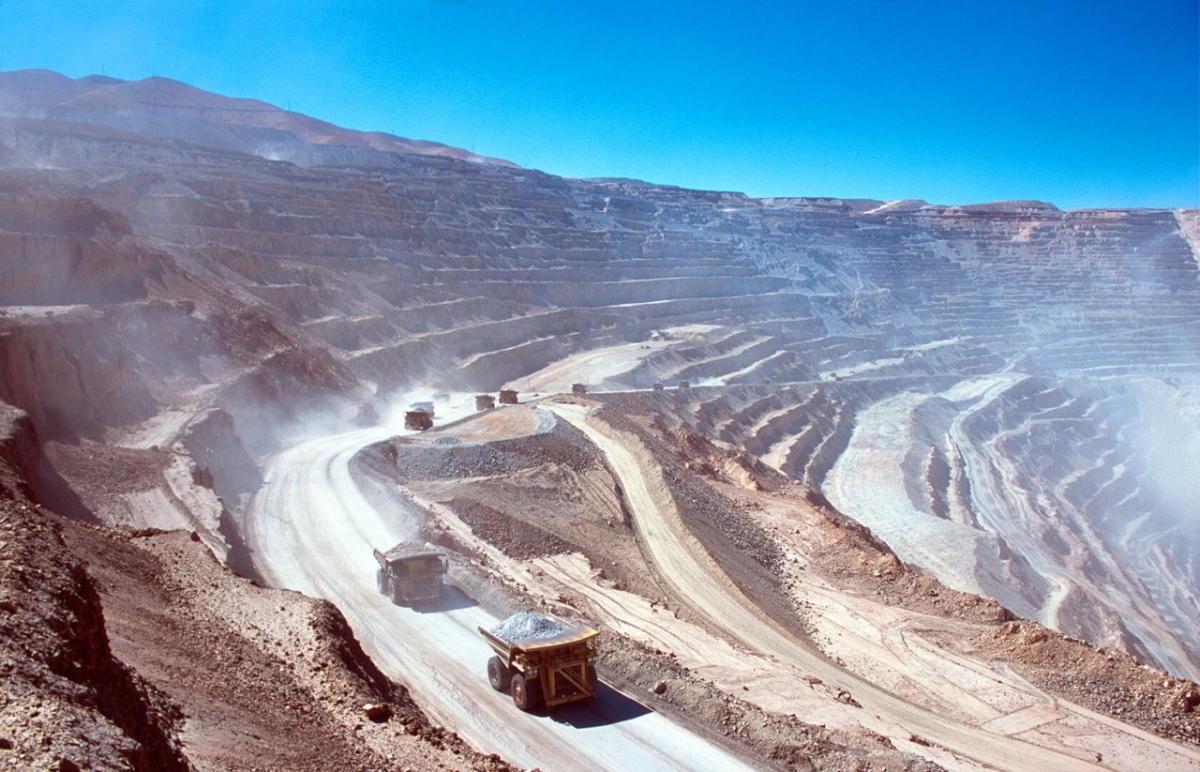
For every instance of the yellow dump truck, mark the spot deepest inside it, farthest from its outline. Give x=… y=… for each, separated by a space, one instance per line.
x=410 y=573
x=541 y=660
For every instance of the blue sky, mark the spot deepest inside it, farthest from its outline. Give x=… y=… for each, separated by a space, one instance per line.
x=1081 y=103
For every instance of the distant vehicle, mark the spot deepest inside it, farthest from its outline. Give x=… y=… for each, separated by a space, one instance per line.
x=578 y=388
x=410 y=573
x=508 y=397
x=422 y=407
x=541 y=660
x=418 y=419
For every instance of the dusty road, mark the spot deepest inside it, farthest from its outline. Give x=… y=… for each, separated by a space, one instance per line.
x=686 y=567
x=312 y=530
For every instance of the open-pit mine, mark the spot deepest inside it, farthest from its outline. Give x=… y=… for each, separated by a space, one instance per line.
x=839 y=483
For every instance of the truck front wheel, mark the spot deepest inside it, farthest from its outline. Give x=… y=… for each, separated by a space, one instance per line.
x=498 y=674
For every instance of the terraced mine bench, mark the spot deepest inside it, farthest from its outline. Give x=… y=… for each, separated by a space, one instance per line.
x=541 y=660
x=410 y=573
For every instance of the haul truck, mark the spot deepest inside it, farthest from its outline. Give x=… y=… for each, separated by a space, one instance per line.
x=541 y=660
x=419 y=416
x=410 y=573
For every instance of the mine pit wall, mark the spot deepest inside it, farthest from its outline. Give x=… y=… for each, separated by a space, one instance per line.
x=74 y=377
x=610 y=293
x=214 y=445
x=56 y=251
x=93 y=373
x=20 y=454
x=84 y=374
x=498 y=240
x=222 y=464
x=489 y=372
x=485 y=356
x=25 y=473
x=820 y=424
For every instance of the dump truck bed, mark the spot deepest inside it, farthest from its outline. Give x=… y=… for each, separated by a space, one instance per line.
x=410 y=573
x=506 y=646
x=530 y=632
x=405 y=552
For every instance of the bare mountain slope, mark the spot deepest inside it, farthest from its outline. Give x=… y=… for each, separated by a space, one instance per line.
x=169 y=108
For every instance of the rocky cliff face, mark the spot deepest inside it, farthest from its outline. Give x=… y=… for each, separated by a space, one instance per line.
x=67 y=702
x=1005 y=393
x=20 y=454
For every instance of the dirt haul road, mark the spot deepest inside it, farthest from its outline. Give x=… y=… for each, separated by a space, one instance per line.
x=697 y=581
x=312 y=530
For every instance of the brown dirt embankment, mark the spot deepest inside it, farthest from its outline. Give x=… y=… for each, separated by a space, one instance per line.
x=1104 y=680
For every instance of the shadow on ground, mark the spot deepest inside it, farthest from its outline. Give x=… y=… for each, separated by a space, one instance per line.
x=452 y=599
x=609 y=707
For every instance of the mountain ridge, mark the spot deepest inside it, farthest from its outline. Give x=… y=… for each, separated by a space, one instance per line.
x=87 y=98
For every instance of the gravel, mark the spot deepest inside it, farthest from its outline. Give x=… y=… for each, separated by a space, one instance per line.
x=448 y=461
x=529 y=627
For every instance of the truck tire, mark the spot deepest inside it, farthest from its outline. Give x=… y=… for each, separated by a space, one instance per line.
x=526 y=695
x=499 y=675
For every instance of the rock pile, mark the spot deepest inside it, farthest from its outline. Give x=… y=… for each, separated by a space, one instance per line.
x=530 y=627
x=1102 y=679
